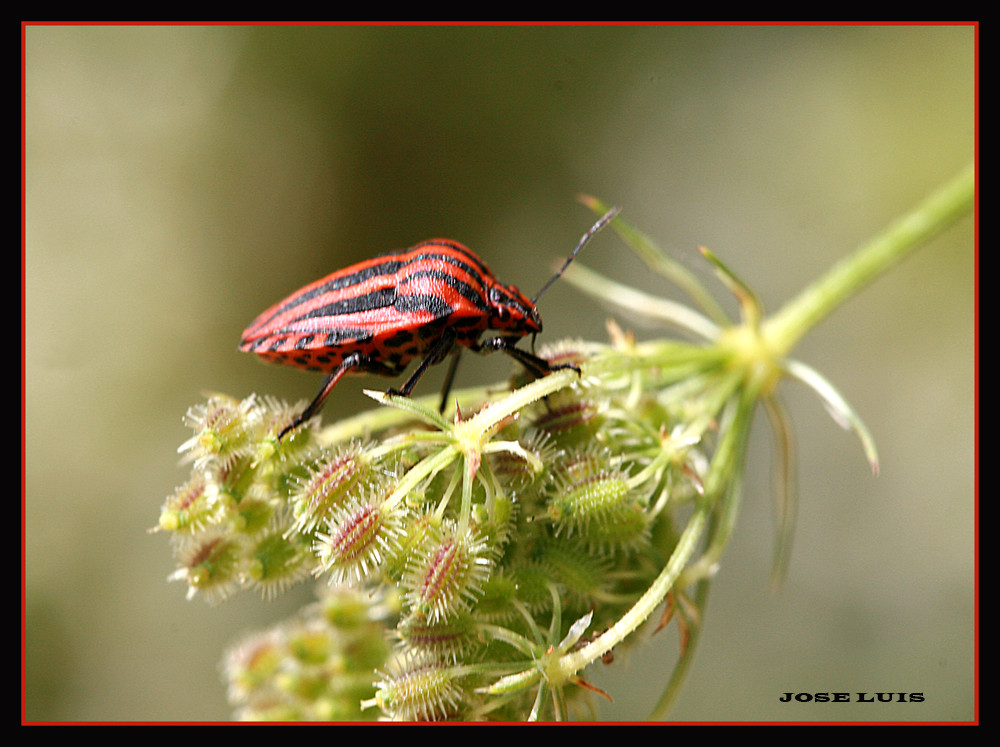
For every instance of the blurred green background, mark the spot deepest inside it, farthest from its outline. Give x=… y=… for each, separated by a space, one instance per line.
x=181 y=178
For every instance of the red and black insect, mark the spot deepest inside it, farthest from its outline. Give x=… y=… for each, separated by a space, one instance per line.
x=376 y=316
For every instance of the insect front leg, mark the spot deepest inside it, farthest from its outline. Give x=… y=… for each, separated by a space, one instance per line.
x=536 y=365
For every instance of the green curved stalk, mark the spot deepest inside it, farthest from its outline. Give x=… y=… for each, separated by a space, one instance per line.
x=648 y=602
x=941 y=209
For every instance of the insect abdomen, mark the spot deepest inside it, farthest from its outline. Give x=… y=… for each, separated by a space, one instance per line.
x=389 y=310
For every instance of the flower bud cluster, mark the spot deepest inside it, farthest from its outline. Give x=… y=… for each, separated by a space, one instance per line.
x=315 y=667
x=483 y=531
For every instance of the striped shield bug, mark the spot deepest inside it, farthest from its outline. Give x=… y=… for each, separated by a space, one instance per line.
x=376 y=316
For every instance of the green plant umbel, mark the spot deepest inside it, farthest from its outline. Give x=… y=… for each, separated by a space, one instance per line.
x=475 y=565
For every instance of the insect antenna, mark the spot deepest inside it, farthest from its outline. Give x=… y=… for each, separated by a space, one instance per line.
x=604 y=220
x=601 y=223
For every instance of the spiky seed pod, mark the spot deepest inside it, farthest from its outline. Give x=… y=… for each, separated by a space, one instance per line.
x=496 y=600
x=311 y=643
x=191 y=508
x=210 y=564
x=446 y=640
x=327 y=486
x=531 y=580
x=351 y=610
x=250 y=665
x=419 y=689
x=570 y=420
x=277 y=562
x=223 y=431
x=252 y=515
x=358 y=536
x=576 y=569
x=414 y=533
x=580 y=464
x=626 y=529
x=593 y=500
x=447 y=574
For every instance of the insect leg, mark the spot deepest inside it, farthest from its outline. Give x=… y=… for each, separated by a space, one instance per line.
x=349 y=362
x=449 y=377
x=438 y=352
x=536 y=365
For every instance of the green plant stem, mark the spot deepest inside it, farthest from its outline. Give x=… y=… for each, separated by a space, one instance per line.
x=942 y=208
x=644 y=607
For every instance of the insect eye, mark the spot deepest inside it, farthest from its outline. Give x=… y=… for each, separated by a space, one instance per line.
x=499 y=304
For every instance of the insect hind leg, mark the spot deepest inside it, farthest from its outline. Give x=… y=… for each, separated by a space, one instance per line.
x=351 y=361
